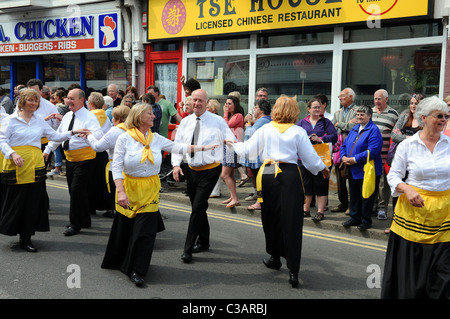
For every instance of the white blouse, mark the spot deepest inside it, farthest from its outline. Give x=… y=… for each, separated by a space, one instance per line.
x=288 y=147
x=107 y=142
x=426 y=170
x=128 y=154
x=15 y=131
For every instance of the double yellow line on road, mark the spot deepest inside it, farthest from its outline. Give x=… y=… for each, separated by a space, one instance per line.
x=253 y=222
x=313 y=234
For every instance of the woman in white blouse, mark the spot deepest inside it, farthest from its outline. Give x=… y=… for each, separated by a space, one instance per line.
x=418 y=258
x=24 y=209
x=279 y=183
x=135 y=167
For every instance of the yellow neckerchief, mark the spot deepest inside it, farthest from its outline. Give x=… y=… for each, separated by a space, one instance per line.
x=281 y=127
x=122 y=126
x=101 y=115
x=138 y=136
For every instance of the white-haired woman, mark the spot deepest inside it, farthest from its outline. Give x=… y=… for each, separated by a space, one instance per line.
x=418 y=256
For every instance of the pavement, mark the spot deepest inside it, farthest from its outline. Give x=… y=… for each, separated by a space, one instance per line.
x=333 y=221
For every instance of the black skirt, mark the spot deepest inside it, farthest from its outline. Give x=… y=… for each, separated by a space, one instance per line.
x=102 y=199
x=131 y=241
x=282 y=213
x=416 y=271
x=24 y=209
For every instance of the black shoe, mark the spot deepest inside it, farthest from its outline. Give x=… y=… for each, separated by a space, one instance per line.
x=293 y=279
x=363 y=227
x=137 y=279
x=186 y=257
x=199 y=248
x=272 y=263
x=350 y=223
x=70 y=231
x=27 y=245
x=109 y=214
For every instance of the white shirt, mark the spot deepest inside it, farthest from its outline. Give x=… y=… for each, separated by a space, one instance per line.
x=128 y=155
x=107 y=142
x=288 y=147
x=15 y=131
x=83 y=119
x=213 y=131
x=426 y=170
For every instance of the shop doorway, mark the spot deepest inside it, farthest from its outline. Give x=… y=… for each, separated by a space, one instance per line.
x=24 y=69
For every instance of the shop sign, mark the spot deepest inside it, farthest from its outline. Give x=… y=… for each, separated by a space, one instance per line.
x=187 y=18
x=96 y=32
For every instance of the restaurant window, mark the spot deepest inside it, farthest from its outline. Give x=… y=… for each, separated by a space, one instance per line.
x=393 y=32
x=218 y=44
x=102 y=69
x=401 y=71
x=294 y=39
x=221 y=75
x=61 y=70
x=296 y=75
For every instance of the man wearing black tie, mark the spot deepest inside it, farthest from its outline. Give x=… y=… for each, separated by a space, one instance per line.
x=200 y=128
x=80 y=160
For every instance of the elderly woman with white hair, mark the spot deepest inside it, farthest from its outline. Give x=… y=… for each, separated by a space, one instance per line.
x=418 y=255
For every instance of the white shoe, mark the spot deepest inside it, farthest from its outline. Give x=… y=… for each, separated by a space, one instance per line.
x=53 y=172
x=381 y=214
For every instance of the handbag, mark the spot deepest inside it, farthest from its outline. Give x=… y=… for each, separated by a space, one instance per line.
x=391 y=153
x=323 y=150
x=344 y=169
x=337 y=149
x=368 y=186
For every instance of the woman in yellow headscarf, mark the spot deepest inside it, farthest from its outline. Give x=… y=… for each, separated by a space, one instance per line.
x=280 y=144
x=135 y=167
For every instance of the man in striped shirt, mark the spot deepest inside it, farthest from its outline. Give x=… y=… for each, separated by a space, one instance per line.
x=385 y=118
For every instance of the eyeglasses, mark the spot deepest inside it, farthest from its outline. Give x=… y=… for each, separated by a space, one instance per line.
x=417 y=96
x=441 y=116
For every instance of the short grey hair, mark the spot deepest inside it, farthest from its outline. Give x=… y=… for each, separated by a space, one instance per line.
x=351 y=93
x=385 y=93
x=427 y=106
x=364 y=109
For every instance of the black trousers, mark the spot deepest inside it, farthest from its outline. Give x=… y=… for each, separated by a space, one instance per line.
x=282 y=213
x=199 y=186
x=79 y=175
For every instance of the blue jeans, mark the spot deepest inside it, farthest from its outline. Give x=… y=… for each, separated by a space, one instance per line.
x=58 y=156
x=361 y=208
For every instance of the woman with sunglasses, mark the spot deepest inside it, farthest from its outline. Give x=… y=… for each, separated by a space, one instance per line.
x=418 y=254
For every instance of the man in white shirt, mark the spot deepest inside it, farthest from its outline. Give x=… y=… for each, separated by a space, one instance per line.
x=80 y=160
x=204 y=168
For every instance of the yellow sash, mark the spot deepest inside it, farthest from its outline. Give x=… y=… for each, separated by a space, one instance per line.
x=204 y=167
x=101 y=115
x=142 y=193
x=32 y=161
x=138 y=136
x=426 y=225
x=81 y=154
x=281 y=127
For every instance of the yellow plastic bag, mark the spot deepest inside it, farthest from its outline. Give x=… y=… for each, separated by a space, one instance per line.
x=323 y=150
x=368 y=186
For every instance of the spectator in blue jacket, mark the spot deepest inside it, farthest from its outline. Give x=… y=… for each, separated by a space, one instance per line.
x=363 y=137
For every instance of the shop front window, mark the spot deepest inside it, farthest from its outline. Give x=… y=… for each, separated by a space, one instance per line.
x=295 y=39
x=296 y=75
x=103 y=69
x=219 y=44
x=221 y=75
x=5 y=76
x=401 y=71
x=61 y=70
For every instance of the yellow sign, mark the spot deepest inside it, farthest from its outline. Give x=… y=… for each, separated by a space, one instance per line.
x=186 y=18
